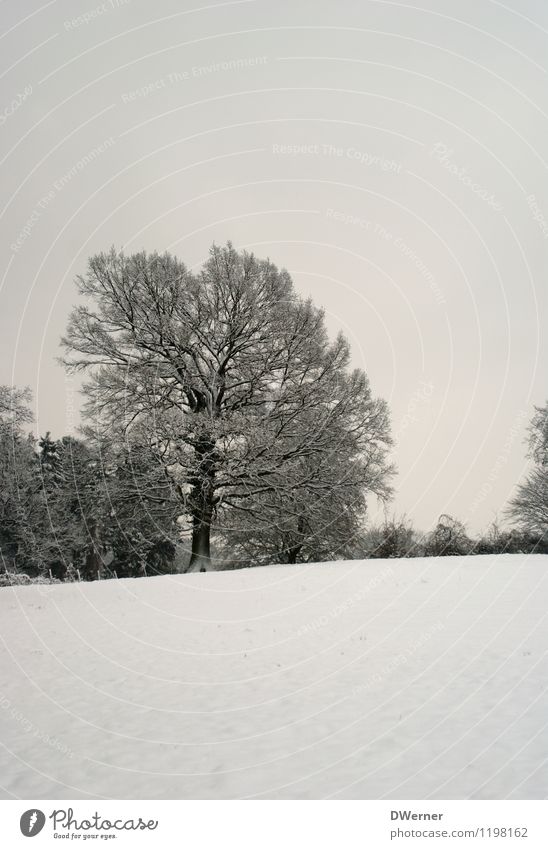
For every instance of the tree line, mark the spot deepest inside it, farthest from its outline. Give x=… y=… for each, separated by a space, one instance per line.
x=222 y=426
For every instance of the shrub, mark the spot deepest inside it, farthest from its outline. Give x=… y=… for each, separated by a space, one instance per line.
x=10 y=579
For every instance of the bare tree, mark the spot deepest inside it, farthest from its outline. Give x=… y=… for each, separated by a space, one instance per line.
x=230 y=379
x=529 y=507
x=23 y=517
x=449 y=538
x=14 y=407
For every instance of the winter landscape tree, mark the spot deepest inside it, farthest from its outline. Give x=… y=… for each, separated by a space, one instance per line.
x=448 y=539
x=14 y=408
x=22 y=509
x=529 y=507
x=229 y=381
x=396 y=537
x=105 y=508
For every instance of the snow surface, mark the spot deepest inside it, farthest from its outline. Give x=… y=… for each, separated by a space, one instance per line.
x=399 y=679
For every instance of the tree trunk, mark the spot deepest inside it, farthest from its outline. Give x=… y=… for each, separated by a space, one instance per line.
x=93 y=566
x=200 y=558
x=294 y=550
x=293 y=553
x=202 y=501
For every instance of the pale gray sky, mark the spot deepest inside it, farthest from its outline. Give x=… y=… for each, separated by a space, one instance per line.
x=392 y=157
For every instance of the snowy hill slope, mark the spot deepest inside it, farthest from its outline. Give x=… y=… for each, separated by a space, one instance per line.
x=401 y=679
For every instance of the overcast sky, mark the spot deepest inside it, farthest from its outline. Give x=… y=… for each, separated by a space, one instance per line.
x=391 y=157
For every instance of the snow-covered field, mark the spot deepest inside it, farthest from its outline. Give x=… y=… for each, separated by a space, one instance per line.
x=401 y=679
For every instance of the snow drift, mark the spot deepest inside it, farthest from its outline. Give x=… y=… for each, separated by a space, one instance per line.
x=400 y=679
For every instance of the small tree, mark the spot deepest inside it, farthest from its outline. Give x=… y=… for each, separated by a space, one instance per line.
x=104 y=509
x=14 y=408
x=449 y=538
x=23 y=515
x=230 y=379
x=72 y=487
x=529 y=507
x=143 y=509
x=395 y=538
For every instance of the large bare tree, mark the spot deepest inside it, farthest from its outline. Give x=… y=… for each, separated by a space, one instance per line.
x=230 y=379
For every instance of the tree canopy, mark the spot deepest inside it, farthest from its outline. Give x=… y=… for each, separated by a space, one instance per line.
x=229 y=381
